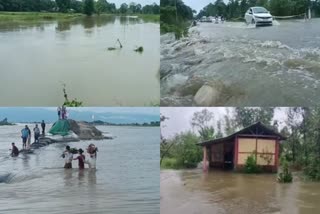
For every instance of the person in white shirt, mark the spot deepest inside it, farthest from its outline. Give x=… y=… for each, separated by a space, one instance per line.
x=68 y=157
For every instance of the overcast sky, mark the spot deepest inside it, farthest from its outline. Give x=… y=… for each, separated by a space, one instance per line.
x=179 y=118
x=199 y=4
x=142 y=2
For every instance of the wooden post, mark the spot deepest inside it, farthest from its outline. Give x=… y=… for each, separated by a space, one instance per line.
x=235 y=162
x=276 y=156
x=204 y=162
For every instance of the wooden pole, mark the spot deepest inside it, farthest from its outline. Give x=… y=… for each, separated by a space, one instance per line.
x=204 y=163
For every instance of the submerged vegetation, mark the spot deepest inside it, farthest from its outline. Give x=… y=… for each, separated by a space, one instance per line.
x=285 y=176
x=73 y=103
x=251 y=165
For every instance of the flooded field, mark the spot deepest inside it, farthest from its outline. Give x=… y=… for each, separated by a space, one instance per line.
x=37 y=58
x=126 y=179
x=193 y=192
x=243 y=63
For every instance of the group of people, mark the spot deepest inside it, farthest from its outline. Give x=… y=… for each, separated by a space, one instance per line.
x=62 y=112
x=26 y=134
x=91 y=159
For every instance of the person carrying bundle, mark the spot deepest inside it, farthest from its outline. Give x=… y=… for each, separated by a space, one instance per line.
x=92 y=151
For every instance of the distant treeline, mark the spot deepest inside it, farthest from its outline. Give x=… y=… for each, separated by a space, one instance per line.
x=99 y=122
x=84 y=6
x=237 y=8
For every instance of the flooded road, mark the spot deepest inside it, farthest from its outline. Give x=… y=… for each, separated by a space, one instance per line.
x=37 y=58
x=279 y=62
x=193 y=192
x=126 y=179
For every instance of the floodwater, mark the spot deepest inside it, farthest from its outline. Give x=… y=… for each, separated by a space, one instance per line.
x=37 y=58
x=217 y=192
x=126 y=179
x=280 y=63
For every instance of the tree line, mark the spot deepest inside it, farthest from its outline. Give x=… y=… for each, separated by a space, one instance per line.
x=237 y=8
x=85 y=6
x=301 y=128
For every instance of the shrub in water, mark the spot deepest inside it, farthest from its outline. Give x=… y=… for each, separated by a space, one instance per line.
x=251 y=165
x=285 y=176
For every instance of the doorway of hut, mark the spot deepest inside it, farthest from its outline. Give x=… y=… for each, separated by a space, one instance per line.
x=228 y=153
x=221 y=155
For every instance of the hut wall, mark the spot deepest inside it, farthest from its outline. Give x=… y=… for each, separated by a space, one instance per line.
x=264 y=149
x=246 y=146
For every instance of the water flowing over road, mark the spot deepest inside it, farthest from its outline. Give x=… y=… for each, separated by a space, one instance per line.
x=277 y=65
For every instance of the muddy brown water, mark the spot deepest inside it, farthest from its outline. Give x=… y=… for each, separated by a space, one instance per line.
x=218 y=192
x=38 y=57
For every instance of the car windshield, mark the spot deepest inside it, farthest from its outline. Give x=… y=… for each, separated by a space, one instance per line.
x=259 y=10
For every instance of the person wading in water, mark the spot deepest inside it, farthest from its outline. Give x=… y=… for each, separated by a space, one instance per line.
x=92 y=151
x=68 y=156
x=14 y=150
x=81 y=158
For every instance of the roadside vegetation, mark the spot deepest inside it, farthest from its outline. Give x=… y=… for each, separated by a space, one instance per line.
x=235 y=9
x=63 y=9
x=299 y=153
x=176 y=17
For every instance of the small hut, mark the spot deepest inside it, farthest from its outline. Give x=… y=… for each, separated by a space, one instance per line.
x=231 y=152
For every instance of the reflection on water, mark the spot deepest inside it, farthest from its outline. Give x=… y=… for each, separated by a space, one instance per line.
x=246 y=61
x=49 y=53
x=191 y=192
x=126 y=179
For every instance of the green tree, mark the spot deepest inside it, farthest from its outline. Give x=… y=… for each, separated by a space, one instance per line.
x=63 y=5
x=88 y=7
x=123 y=8
x=101 y=6
x=246 y=116
x=202 y=122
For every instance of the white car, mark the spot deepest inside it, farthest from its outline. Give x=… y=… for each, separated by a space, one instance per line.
x=258 y=16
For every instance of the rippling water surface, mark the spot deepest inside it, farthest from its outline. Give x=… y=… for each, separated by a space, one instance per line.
x=193 y=192
x=126 y=179
x=280 y=63
x=46 y=55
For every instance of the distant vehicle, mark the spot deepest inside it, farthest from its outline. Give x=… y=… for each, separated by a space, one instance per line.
x=258 y=16
x=205 y=19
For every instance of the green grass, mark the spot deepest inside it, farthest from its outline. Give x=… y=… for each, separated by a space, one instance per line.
x=149 y=17
x=170 y=163
x=34 y=16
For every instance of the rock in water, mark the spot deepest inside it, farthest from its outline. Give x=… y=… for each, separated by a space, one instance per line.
x=85 y=131
x=206 y=96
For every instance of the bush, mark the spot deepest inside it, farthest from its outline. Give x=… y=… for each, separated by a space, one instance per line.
x=185 y=153
x=312 y=170
x=170 y=163
x=285 y=176
x=251 y=165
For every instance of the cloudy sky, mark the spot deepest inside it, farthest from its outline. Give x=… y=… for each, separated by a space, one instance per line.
x=142 y=2
x=199 y=4
x=179 y=118
x=111 y=114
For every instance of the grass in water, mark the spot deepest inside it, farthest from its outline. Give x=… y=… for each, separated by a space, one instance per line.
x=33 y=16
